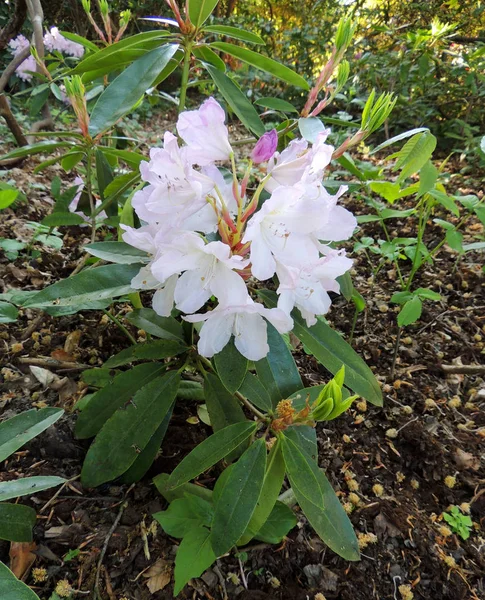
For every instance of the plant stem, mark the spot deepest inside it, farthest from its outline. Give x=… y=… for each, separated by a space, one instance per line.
x=120 y=325
x=89 y=190
x=354 y=323
x=185 y=76
x=396 y=350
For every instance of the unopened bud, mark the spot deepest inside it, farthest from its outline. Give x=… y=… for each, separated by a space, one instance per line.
x=265 y=147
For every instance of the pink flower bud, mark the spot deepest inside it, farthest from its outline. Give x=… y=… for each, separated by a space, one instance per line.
x=265 y=147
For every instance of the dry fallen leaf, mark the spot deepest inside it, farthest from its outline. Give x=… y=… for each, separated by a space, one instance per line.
x=21 y=557
x=158 y=575
x=62 y=355
x=465 y=460
x=72 y=341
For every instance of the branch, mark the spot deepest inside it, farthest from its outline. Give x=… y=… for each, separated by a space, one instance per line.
x=10 y=70
x=465 y=369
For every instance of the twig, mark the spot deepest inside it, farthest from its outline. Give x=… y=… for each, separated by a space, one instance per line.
x=243 y=576
x=52 y=363
x=32 y=327
x=217 y=571
x=107 y=539
x=56 y=495
x=466 y=369
x=120 y=326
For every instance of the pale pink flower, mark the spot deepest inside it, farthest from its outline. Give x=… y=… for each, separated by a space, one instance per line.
x=55 y=41
x=205 y=133
x=75 y=201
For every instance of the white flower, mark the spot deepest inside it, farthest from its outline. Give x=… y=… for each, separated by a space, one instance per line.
x=54 y=40
x=205 y=133
x=246 y=321
x=163 y=298
x=75 y=201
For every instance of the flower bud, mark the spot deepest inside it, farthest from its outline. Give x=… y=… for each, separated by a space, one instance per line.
x=331 y=402
x=265 y=147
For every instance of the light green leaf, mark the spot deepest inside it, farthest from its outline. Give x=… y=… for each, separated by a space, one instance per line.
x=62 y=219
x=117 y=252
x=410 y=312
x=16 y=522
x=414 y=154
x=445 y=201
x=398 y=138
x=389 y=191
x=7 y=197
x=454 y=239
x=200 y=10
x=262 y=62
x=428 y=294
x=210 y=451
x=185 y=514
x=22 y=428
x=276 y=104
x=35 y=149
x=163 y=327
x=310 y=127
x=128 y=431
x=235 y=32
x=428 y=176
x=13 y=589
x=128 y=88
x=231 y=366
x=194 y=556
x=155 y=350
x=28 y=486
x=8 y=313
x=238 y=498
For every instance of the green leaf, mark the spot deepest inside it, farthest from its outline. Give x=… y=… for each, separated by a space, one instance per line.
x=104 y=176
x=113 y=396
x=427 y=178
x=276 y=104
x=8 y=313
x=454 y=239
x=13 y=589
x=414 y=154
x=305 y=436
x=262 y=62
x=131 y=158
x=163 y=327
x=207 y=55
x=16 y=522
x=128 y=88
x=319 y=502
x=155 y=350
x=7 y=197
x=90 y=285
x=27 y=486
x=35 y=149
x=399 y=137
x=428 y=294
x=117 y=252
x=239 y=498
x=98 y=377
x=235 y=32
x=22 y=428
x=223 y=407
x=310 y=127
x=74 y=37
x=410 y=312
x=62 y=219
x=161 y=483
x=128 y=431
x=185 y=514
x=387 y=190
x=273 y=480
x=210 y=451
x=332 y=352
x=445 y=201
x=277 y=371
x=200 y=10
x=346 y=286
x=281 y=520
x=194 y=556
x=256 y=393
x=401 y=297
x=239 y=103
x=191 y=390
x=145 y=459
x=231 y=366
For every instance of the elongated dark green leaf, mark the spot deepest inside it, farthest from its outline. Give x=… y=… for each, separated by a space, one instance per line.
x=276 y=104
x=114 y=395
x=157 y=349
x=210 y=451
x=145 y=459
x=117 y=252
x=263 y=62
x=281 y=520
x=191 y=390
x=194 y=556
x=27 y=486
x=13 y=589
x=62 y=219
x=16 y=522
x=239 y=498
x=332 y=351
x=22 y=428
x=207 y=55
x=256 y=393
x=235 y=32
x=305 y=437
x=108 y=281
x=128 y=431
x=223 y=407
x=127 y=89
x=319 y=502
x=273 y=480
x=243 y=109
x=35 y=149
x=8 y=313
x=278 y=372
x=200 y=10
x=161 y=483
x=162 y=327
x=104 y=176
x=231 y=367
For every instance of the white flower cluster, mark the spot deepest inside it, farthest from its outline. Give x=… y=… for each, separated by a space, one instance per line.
x=183 y=208
x=53 y=40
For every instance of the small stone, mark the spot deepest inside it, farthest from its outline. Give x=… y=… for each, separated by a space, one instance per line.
x=383 y=308
x=386 y=388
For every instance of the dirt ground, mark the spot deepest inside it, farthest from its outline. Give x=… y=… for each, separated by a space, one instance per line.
x=398 y=467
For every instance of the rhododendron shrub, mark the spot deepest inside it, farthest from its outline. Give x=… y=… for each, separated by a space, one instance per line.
x=188 y=203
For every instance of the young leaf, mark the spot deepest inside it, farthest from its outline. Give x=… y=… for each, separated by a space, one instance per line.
x=200 y=10
x=262 y=62
x=278 y=372
x=231 y=367
x=12 y=588
x=211 y=450
x=332 y=352
x=194 y=556
x=410 y=312
x=223 y=407
x=113 y=396
x=312 y=491
x=239 y=103
x=27 y=486
x=22 y=428
x=427 y=178
x=128 y=88
x=281 y=520
x=88 y=286
x=185 y=514
x=128 y=431
x=117 y=252
x=155 y=350
x=163 y=327
x=16 y=522
x=414 y=154
x=239 y=498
